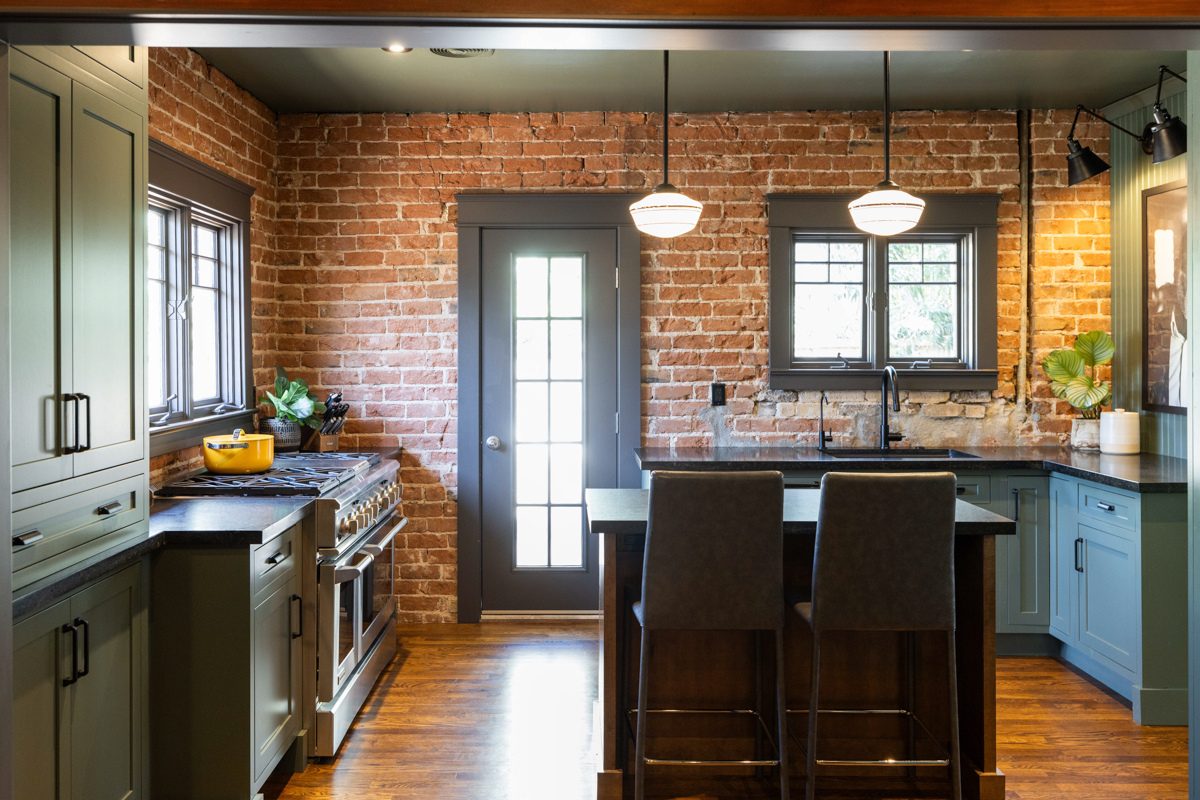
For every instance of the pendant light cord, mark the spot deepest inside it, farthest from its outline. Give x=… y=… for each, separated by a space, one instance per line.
x=666 y=74
x=887 y=116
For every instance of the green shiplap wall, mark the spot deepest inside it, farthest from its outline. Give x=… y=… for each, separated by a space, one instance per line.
x=1132 y=171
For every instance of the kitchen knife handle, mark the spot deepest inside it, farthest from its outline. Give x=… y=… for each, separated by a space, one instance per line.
x=87 y=647
x=73 y=448
x=71 y=629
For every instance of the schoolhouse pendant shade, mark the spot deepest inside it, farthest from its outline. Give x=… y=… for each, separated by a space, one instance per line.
x=666 y=212
x=887 y=209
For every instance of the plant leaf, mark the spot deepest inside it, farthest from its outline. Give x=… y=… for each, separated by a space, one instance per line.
x=1096 y=347
x=302 y=408
x=1063 y=365
x=281 y=383
x=1059 y=389
x=303 y=385
x=1084 y=394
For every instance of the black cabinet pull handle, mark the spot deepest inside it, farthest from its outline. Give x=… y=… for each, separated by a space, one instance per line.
x=71 y=629
x=1016 y=504
x=1105 y=506
x=73 y=448
x=87 y=446
x=87 y=647
x=1078 y=559
x=960 y=490
x=299 y=616
x=275 y=559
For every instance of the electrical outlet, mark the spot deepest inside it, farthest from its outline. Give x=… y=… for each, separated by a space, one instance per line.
x=718 y=394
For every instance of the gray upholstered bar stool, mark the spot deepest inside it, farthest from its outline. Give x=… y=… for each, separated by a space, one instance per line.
x=884 y=561
x=713 y=562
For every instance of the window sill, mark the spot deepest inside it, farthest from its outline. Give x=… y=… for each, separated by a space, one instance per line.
x=928 y=380
x=190 y=433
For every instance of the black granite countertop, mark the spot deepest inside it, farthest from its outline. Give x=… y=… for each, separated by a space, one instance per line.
x=1144 y=472
x=183 y=522
x=625 y=511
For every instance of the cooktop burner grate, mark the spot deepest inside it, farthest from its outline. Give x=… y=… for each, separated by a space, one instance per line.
x=289 y=482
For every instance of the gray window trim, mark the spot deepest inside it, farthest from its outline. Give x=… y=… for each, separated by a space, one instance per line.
x=974 y=216
x=477 y=213
x=189 y=186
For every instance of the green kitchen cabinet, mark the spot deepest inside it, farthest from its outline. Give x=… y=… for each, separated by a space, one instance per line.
x=227 y=648
x=1023 y=560
x=78 y=166
x=79 y=694
x=1064 y=552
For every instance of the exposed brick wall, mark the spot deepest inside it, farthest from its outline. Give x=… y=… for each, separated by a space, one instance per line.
x=197 y=110
x=356 y=278
x=366 y=235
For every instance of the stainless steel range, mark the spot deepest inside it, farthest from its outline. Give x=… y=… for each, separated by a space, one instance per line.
x=349 y=587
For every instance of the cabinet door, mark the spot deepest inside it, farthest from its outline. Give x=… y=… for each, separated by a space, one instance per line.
x=1108 y=596
x=276 y=666
x=1028 y=555
x=40 y=142
x=108 y=205
x=106 y=703
x=1063 y=552
x=41 y=750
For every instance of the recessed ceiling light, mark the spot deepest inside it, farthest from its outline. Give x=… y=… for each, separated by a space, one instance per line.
x=461 y=52
x=397 y=48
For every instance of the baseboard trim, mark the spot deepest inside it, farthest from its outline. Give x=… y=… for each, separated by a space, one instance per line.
x=1027 y=644
x=509 y=616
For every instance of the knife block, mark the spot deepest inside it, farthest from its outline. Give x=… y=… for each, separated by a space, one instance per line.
x=320 y=443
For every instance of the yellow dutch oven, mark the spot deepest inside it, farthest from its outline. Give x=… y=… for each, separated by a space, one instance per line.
x=239 y=454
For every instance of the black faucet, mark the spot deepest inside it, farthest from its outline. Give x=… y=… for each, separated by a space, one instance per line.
x=886 y=436
x=823 y=438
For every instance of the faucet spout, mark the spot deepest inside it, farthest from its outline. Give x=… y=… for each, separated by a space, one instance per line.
x=886 y=437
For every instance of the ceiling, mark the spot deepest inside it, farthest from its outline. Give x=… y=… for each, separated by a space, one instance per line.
x=372 y=80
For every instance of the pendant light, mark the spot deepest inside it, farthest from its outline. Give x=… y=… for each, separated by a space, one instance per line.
x=666 y=212
x=887 y=209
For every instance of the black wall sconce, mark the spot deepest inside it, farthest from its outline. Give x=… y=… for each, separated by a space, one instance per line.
x=1163 y=139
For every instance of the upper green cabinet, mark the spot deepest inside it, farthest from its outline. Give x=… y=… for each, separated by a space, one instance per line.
x=78 y=183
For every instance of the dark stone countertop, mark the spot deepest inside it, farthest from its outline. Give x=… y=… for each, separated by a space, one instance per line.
x=624 y=512
x=183 y=522
x=1145 y=472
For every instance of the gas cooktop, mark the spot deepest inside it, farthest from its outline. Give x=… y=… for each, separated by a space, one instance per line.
x=291 y=475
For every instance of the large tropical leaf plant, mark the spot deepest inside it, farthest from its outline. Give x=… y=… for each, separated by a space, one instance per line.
x=293 y=401
x=1067 y=371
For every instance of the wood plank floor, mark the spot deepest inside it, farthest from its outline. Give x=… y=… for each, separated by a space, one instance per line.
x=504 y=711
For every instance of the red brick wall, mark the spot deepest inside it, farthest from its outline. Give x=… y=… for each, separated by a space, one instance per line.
x=366 y=235
x=356 y=286
x=198 y=111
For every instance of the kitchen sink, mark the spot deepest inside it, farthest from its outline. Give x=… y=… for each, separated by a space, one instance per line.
x=915 y=453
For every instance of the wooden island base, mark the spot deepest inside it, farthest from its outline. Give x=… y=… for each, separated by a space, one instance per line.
x=859 y=670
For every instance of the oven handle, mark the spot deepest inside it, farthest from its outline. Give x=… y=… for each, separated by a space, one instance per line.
x=376 y=549
x=352 y=571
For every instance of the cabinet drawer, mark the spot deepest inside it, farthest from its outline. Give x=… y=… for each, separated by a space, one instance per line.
x=802 y=480
x=976 y=489
x=1100 y=504
x=53 y=529
x=275 y=560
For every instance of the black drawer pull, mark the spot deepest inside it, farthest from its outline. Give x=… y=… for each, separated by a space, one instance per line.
x=300 y=615
x=73 y=448
x=275 y=559
x=1078 y=559
x=110 y=508
x=807 y=485
x=1105 y=506
x=960 y=490
x=27 y=538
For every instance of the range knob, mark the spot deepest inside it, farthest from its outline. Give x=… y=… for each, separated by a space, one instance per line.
x=349 y=525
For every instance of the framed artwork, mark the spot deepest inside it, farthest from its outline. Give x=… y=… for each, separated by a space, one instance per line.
x=1166 y=352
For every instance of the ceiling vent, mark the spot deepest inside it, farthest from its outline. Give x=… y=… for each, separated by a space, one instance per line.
x=461 y=52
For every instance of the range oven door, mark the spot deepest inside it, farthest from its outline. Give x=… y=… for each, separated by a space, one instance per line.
x=340 y=591
x=378 y=599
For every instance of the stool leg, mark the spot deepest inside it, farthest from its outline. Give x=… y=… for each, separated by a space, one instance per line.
x=639 y=764
x=814 y=676
x=781 y=716
x=910 y=677
x=955 y=758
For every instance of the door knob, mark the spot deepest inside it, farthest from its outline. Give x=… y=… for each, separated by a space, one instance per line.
x=493 y=442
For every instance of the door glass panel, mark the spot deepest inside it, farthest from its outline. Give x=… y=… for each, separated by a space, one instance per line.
x=346 y=620
x=548 y=368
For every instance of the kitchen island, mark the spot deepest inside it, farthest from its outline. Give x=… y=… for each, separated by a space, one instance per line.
x=716 y=669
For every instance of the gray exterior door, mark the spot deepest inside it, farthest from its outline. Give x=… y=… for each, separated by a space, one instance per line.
x=549 y=413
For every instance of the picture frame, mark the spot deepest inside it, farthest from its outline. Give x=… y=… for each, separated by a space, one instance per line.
x=1166 y=352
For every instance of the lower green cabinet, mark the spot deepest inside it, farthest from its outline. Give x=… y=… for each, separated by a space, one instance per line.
x=1023 y=560
x=79 y=693
x=276 y=664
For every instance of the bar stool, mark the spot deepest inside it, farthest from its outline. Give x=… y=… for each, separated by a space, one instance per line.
x=713 y=562
x=884 y=561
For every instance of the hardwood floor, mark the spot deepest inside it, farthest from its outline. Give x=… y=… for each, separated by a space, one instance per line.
x=504 y=710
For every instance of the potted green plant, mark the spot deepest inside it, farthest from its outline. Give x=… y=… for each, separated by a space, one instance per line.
x=1070 y=381
x=294 y=406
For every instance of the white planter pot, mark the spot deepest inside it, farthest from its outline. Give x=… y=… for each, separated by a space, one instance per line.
x=1085 y=434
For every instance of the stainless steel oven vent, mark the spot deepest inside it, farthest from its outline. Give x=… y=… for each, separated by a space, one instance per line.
x=461 y=52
